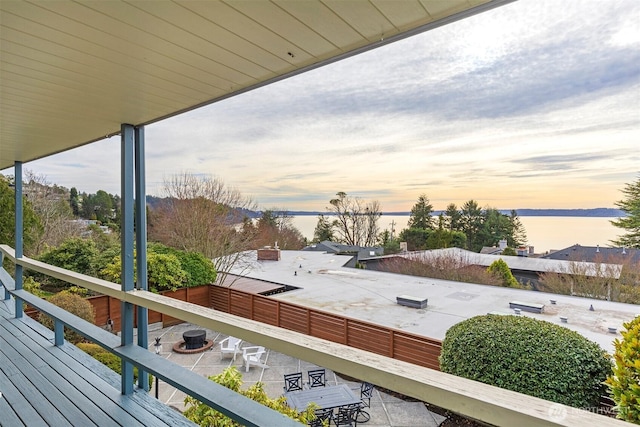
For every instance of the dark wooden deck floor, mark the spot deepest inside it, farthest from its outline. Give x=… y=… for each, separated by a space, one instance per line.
x=45 y=385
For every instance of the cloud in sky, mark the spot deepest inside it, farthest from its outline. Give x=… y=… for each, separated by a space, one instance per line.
x=533 y=104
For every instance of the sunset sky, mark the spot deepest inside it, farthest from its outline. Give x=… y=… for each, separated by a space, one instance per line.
x=532 y=105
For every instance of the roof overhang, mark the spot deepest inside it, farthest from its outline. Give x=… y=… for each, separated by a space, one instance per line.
x=72 y=72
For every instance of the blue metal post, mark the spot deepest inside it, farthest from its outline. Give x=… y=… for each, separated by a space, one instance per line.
x=141 y=247
x=58 y=331
x=126 y=252
x=18 y=233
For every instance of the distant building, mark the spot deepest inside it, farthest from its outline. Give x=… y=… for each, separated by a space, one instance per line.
x=523 y=250
x=525 y=269
x=341 y=249
x=596 y=254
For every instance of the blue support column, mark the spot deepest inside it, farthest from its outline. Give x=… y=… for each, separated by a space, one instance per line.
x=18 y=233
x=126 y=251
x=141 y=247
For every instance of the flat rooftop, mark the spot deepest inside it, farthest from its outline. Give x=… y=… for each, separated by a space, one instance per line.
x=325 y=284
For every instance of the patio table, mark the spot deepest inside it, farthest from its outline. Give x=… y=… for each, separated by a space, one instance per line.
x=325 y=397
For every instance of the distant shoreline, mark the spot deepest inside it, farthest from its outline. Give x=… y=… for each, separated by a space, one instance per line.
x=596 y=212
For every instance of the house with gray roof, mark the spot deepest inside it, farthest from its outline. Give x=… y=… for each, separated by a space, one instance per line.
x=596 y=254
x=525 y=269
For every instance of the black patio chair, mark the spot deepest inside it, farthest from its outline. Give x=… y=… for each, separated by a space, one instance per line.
x=323 y=418
x=317 y=378
x=293 y=382
x=366 y=393
x=347 y=415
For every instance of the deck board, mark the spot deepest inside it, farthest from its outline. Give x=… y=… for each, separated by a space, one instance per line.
x=42 y=386
x=12 y=398
x=45 y=385
x=76 y=384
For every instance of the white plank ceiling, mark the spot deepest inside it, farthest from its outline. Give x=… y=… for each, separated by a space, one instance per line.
x=71 y=72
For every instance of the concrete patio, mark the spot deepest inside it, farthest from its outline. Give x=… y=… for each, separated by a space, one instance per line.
x=385 y=411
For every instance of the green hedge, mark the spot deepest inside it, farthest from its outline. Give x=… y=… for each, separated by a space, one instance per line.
x=624 y=382
x=200 y=270
x=529 y=356
x=74 y=304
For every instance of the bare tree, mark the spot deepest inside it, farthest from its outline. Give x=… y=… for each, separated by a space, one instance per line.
x=51 y=204
x=201 y=213
x=615 y=279
x=356 y=221
x=440 y=265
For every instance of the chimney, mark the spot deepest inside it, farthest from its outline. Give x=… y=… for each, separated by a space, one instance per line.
x=502 y=244
x=269 y=254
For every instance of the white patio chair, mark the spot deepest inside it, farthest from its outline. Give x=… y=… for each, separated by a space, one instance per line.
x=230 y=346
x=253 y=356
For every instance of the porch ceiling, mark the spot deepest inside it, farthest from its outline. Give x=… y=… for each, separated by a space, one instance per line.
x=72 y=71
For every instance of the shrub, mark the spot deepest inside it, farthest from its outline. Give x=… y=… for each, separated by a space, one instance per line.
x=200 y=270
x=203 y=415
x=501 y=270
x=624 y=383
x=509 y=252
x=74 y=304
x=74 y=254
x=108 y=359
x=529 y=356
x=447 y=265
x=33 y=287
x=163 y=272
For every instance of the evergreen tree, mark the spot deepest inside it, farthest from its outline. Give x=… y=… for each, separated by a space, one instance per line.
x=471 y=220
x=31 y=222
x=421 y=214
x=323 y=230
x=630 y=205
x=518 y=235
x=73 y=201
x=453 y=217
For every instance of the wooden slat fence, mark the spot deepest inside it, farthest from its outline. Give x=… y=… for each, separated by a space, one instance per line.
x=107 y=307
x=378 y=339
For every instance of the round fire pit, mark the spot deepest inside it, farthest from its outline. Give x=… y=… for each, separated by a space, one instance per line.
x=194 y=341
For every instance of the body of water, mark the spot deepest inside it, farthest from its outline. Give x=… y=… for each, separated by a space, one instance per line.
x=544 y=233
